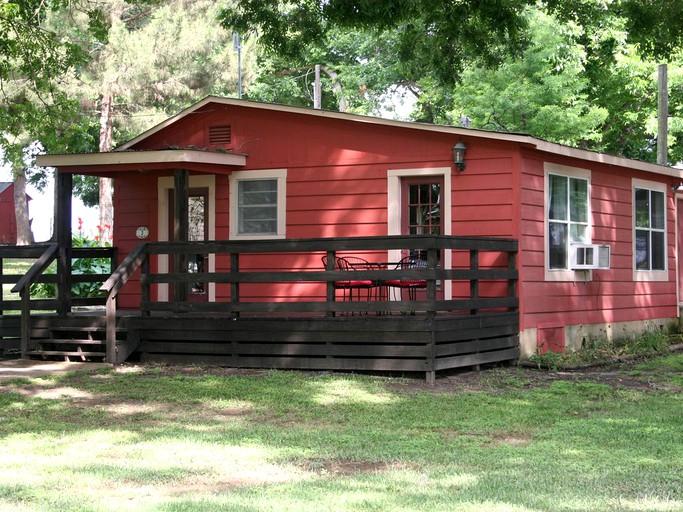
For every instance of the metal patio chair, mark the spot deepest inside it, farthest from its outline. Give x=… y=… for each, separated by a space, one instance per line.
x=352 y=264
x=411 y=285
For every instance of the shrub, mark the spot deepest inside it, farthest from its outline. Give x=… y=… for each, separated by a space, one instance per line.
x=79 y=266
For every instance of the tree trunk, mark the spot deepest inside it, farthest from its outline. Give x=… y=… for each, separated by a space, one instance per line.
x=106 y=205
x=24 y=234
x=336 y=87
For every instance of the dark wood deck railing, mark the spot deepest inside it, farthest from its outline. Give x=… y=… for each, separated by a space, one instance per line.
x=234 y=253
x=298 y=328
x=62 y=303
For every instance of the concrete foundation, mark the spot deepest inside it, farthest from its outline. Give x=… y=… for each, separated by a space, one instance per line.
x=576 y=336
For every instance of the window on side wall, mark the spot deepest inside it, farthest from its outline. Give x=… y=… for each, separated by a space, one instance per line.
x=649 y=231
x=567 y=217
x=257 y=204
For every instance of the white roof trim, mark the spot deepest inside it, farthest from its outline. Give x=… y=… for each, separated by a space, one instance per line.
x=539 y=144
x=142 y=157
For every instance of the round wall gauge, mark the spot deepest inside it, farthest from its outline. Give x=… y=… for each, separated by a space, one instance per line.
x=142 y=232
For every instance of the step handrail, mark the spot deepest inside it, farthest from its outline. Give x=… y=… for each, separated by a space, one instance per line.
x=111 y=286
x=37 y=268
x=126 y=269
x=23 y=288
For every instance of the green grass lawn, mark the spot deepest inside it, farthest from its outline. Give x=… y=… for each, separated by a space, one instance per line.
x=193 y=439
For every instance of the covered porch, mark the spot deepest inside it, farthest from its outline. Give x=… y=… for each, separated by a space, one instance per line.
x=271 y=303
x=313 y=329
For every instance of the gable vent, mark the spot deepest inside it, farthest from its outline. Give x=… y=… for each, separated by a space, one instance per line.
x=220 y=134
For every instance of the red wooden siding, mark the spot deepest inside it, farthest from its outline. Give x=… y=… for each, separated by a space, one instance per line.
x=611 y=295
x=337 y=187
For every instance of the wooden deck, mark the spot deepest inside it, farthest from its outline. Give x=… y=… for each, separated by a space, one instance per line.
x=308 y=326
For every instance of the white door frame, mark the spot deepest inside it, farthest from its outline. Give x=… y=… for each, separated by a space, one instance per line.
x=394 y=195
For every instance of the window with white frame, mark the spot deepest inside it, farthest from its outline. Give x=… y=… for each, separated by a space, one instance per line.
x=649 y=221
x=568 y=215
x=257 y=204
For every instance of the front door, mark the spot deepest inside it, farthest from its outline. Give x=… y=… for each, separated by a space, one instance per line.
x=198 y=231
x=421 y=214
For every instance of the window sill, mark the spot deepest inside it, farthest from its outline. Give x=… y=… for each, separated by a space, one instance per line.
x=651 y=275
x=569 y=276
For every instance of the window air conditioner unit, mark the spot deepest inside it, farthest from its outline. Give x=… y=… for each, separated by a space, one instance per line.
x=589 y=256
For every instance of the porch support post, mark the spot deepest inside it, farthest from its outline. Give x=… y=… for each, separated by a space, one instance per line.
x=181 y=178
x=64 y=184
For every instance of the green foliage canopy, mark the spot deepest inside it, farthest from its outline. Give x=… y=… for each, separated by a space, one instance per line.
x=578 y=72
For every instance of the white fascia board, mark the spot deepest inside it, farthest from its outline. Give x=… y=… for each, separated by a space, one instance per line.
x=142 y=157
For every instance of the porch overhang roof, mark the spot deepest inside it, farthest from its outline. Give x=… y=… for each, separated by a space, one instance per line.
x=116 y=161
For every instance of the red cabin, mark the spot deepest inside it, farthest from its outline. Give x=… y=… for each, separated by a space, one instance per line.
x=597 y=234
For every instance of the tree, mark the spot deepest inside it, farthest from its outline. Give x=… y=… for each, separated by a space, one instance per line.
x=372 y=48
x=32 y=59
x=544 y=91
x=157 y=57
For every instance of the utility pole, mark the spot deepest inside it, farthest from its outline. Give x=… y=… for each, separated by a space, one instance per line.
x=237 y=45
x=317 y=89
x=662 y=115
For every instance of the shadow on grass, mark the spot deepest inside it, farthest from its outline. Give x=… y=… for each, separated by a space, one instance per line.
x=279 y=441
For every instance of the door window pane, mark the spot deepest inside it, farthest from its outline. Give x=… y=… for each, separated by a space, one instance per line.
x=424 y=209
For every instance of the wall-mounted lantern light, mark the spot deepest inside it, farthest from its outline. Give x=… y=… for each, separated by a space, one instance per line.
x=459 y=155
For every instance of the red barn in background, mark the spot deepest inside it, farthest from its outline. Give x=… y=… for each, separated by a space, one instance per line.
x=8 y=221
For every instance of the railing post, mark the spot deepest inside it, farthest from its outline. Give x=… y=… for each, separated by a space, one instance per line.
x=432 y=258
x=235 y=287
x=330 y=295
x=474 y=282
x=25 y=328
x=111 y=327
x=144 y=284
x=512 y=283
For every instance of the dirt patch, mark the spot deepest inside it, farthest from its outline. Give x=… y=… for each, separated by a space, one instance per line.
x=337 y=467
x=11 y=369
x=503 y=379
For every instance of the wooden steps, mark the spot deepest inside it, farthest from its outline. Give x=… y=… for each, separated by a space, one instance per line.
x=73 y=343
